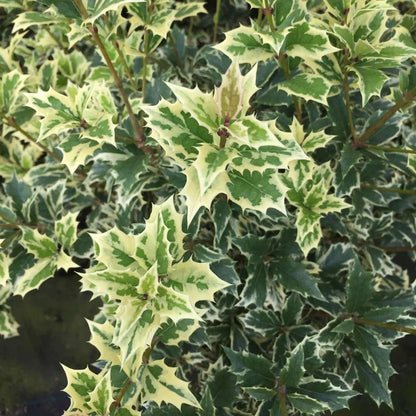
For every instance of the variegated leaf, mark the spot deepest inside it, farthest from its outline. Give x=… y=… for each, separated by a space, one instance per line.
x=40 y=245
x=160 y=384
x=115 y=249
x=229 y=95
x=256 y=190
x=200 y=105
x=308 y=86
x=11 y=85
x=194 y=199
x=79 y=384
x=115 y=284
x=89 y=108
x=4 y=268
x=135 y=329
x=171 y=304
x=309 y=231
x=172 y=220
x=102 y=339
x=99 y=7
x=247 y=45
x=196 y=280
x=101 y=397
x=27 y=19
x=176 y=131
x=66 y=230
x=63 y=261
x=33 y=277
x=76 y=150
x=370 y=80
x=307 y=42
x=8 y=326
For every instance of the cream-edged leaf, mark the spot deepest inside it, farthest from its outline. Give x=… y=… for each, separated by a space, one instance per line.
x=66 y=229
x=308 y=86
x=246 y=45
x=102 y=339
x=257 y=190
x=40 y=245
x=79 y=384
x=115 y=249
x=196 y=280
x=33 y=277
x=160 y=384
x=4 y=268
x=200 y=105
x=63 y=261
x=101 y=397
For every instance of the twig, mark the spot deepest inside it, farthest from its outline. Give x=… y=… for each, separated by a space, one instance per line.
x=395 y=191
x=281 y=394
x=10 y=122
x=216 y=19
x=397 y=249
x=394 y=327
x=55 y=38
x=389 y=149
x=406 y=98
x=138 y=133
x=9 y=239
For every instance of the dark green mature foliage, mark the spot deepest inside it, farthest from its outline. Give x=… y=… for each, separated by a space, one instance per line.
x=235 y=203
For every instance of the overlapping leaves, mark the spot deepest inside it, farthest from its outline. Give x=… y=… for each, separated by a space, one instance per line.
x=153 y=291
x=221 y=147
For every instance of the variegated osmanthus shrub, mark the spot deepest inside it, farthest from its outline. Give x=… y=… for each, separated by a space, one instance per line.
x=235 y=180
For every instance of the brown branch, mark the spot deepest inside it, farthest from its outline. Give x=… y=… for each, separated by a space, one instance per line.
x=388 y=149
x=393 y=327
x=138 y=132
x=406 y=98
x=10 y=122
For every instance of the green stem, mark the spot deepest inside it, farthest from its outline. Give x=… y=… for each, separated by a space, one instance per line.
x=138 y=132
x=395 y=191
x=8 y=219
x=346 y=87
x=260 y=18
x=269 y=16
x=57 y=41
x=385 y=325
x=406 y=98
x=389 y=149
x=216 y=19
x=281 y=394
x=10 y=122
